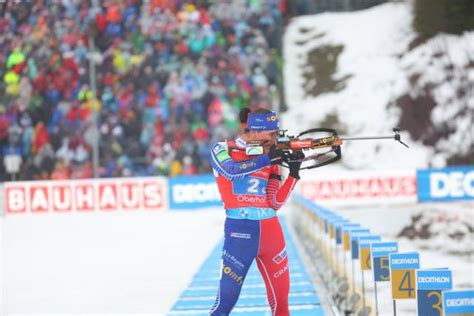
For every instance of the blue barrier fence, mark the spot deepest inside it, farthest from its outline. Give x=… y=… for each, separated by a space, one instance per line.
x=383 y=260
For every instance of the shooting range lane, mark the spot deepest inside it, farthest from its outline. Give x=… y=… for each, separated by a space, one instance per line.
x=199 y=297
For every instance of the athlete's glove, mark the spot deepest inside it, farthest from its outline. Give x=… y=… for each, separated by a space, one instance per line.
x=294 y=163
x=276 y=155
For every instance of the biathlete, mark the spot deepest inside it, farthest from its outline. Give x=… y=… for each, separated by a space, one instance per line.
x=251 y=189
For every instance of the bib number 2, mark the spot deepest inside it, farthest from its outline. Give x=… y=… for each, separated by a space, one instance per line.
x=250 y=186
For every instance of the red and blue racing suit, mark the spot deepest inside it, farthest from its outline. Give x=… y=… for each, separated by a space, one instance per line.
x=251 y=191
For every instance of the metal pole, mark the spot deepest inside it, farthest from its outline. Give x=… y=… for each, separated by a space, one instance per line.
x=336 y=254
x=344 y=259
x=394 y=308
x=363 y=288
x=376 y=299
x=353 y=277
x=95 y=119
x=367 y=138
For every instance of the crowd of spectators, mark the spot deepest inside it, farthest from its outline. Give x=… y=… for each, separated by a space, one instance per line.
x=153 y=82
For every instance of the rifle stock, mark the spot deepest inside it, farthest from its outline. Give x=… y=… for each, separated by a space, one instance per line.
x=309 y=143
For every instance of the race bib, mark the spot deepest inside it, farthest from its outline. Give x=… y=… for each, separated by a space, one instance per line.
x=249 y=186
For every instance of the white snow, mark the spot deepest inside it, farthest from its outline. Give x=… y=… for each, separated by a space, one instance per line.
x=139 y=263
x=376 y=56
x=128 y=263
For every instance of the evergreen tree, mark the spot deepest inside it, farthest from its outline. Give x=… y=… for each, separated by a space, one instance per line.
x=437 y=16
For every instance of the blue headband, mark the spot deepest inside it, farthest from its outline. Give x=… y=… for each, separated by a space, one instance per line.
x=263 y=122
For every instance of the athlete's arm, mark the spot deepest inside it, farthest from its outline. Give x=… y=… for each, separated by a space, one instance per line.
x=226 y=166
x=278 y=195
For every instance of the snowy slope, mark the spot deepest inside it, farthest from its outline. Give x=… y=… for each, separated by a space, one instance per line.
x=375 y=66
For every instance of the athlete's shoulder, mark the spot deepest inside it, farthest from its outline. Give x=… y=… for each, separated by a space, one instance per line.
x=219 y=147
x=220 y=152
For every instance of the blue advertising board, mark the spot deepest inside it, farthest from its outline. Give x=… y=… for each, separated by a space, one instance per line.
x=365 y=241
x=355 y=234
x=429 y=302
x=430 y=284
x=333 y=224
x=383 y=249
x=340 y=226
x=381 y=269
x=404 y=261
x=458 y=302
x=402 y=274
x=187 y=192
x=364 y=250
x=447 y=184
x=355 y=230
x=346 y=235
x=328 y=219
x=434 y=279
x=380 y=252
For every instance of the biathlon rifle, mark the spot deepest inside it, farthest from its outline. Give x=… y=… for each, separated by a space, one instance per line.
x=296 y=146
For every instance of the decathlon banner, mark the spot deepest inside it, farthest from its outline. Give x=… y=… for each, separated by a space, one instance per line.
x=379 y=252
x=333 y=227
x=118 y=194
x=381 y=269
x=430 y=284
x=340 y=226
x=329 y=218
x=434 y=279
x=402 y=274
x=346 y=235
x=448 y=184
x=355 y=234
x=187 y=192
x=364 y=250
x=458 y=302
x=383 y=249
x=360 y=187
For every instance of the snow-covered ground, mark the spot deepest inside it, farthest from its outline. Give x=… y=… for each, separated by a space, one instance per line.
x=139 y=263
x=129 y=263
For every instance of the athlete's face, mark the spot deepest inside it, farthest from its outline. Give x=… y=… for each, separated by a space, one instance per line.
x=266 y=138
